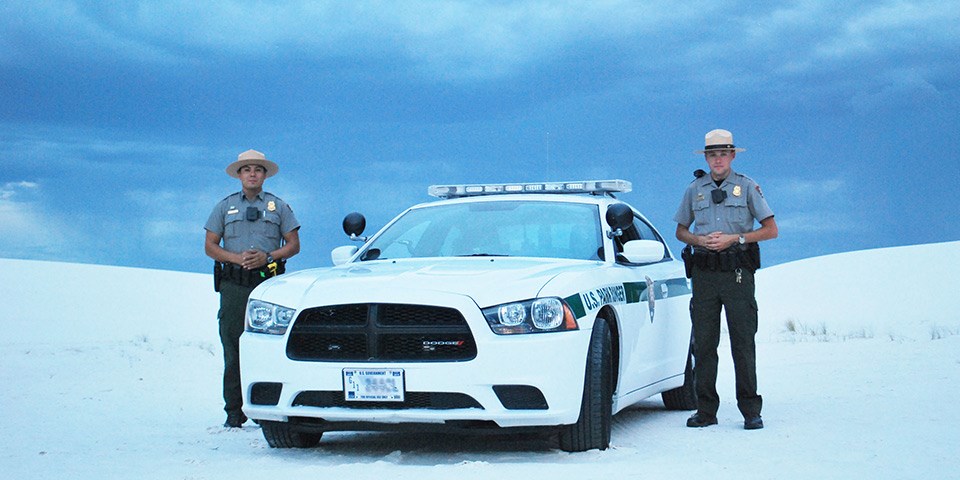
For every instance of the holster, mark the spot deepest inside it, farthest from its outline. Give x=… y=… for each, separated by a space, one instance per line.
x=687 y=255
x=217 y=275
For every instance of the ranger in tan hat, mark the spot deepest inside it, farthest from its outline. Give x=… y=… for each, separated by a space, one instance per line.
x=721 y=257
x=259 y=233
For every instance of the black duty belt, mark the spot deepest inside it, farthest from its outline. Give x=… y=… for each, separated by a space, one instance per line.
x=238 y=275
x=746 y=257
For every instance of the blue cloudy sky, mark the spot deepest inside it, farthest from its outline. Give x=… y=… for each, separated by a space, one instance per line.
x=118 y=118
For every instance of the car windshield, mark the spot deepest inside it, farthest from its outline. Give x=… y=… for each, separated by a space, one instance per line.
x=502 y=228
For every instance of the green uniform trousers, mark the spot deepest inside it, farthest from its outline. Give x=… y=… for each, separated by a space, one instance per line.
x=711 y=291
x=233 y=307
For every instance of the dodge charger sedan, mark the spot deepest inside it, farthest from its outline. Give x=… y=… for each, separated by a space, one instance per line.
x=547 y=306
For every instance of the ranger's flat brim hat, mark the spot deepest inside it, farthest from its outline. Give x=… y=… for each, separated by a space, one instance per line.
x=719 y=140
x=252 y=157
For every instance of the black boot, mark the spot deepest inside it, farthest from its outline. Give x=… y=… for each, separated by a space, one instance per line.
x=235 y=420
x=700 y=419
x=753 y=423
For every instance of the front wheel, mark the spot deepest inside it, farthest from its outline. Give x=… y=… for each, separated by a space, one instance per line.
x=281 y=435
x=592 y=429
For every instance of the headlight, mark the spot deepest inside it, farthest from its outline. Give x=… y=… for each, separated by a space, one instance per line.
x=265 y=317
x=530 y=316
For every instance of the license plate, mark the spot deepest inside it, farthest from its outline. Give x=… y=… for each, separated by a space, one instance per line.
x=373 y=384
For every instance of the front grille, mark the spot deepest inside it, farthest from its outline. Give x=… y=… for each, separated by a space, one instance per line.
x=429 y=400
x=381 y=332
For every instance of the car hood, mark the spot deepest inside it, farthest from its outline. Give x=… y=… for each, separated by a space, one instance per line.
x=487 y=280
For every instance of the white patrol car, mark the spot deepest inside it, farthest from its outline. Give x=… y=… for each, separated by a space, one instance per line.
x=548 y=305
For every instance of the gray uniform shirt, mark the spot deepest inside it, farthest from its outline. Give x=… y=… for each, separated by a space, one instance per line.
x=274 y=219
x=736 y=214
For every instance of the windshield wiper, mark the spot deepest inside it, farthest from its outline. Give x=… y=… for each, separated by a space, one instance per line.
x=483 y=255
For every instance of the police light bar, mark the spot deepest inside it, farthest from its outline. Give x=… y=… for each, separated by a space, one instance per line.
x=594 y=187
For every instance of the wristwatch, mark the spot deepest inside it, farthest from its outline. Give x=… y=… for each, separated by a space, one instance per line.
x=742 y=240
x=270 y=257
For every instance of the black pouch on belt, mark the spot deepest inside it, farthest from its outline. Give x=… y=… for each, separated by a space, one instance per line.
x=749 y=257
x=712 y=261
x=728 y=260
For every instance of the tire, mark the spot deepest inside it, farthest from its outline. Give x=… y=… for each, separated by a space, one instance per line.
x=683 y=397
x=281 y=435
x=592 y=430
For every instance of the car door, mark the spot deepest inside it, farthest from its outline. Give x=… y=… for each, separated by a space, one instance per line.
x=655 y=322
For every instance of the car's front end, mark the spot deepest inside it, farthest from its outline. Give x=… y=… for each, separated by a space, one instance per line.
x=404 y=342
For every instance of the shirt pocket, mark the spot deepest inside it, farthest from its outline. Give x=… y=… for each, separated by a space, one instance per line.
x=232 y=226
x=737 y=210
x=270 y=225
x=701 y=213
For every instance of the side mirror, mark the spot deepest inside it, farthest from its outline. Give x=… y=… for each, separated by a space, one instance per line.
x=643 y=251
x=619 y=216
x=354 y=224
x=340 y=255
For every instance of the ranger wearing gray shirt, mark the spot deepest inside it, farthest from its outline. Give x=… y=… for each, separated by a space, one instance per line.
x=259 y=233
x=723 y=207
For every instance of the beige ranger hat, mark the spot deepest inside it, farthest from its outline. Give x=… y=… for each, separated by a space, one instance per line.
x=252 y=157
x=719 y=139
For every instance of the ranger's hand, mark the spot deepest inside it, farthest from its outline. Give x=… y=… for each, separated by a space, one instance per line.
x=253 y=259
x=717 y=241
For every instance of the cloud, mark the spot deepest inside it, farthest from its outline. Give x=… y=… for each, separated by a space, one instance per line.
x=819 y=54
x=902 y=90
x=92 y=29
x=28 y=230
x=813 y=206
x=805 y=54
x=805 y=188
x=12 y=189
x=893 y=25
x=441 y=39
x=795 y=223
x=62 y=151
x=809 y=33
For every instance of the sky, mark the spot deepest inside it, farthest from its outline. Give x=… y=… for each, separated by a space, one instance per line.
x=117 y=119
x=99 y=393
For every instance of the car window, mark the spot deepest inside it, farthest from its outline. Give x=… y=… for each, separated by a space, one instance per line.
x=639 y=230
x=645 y=231
x=508 y=228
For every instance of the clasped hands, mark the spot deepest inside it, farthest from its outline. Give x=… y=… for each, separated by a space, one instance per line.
x=718 y=241
x=251 y=259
